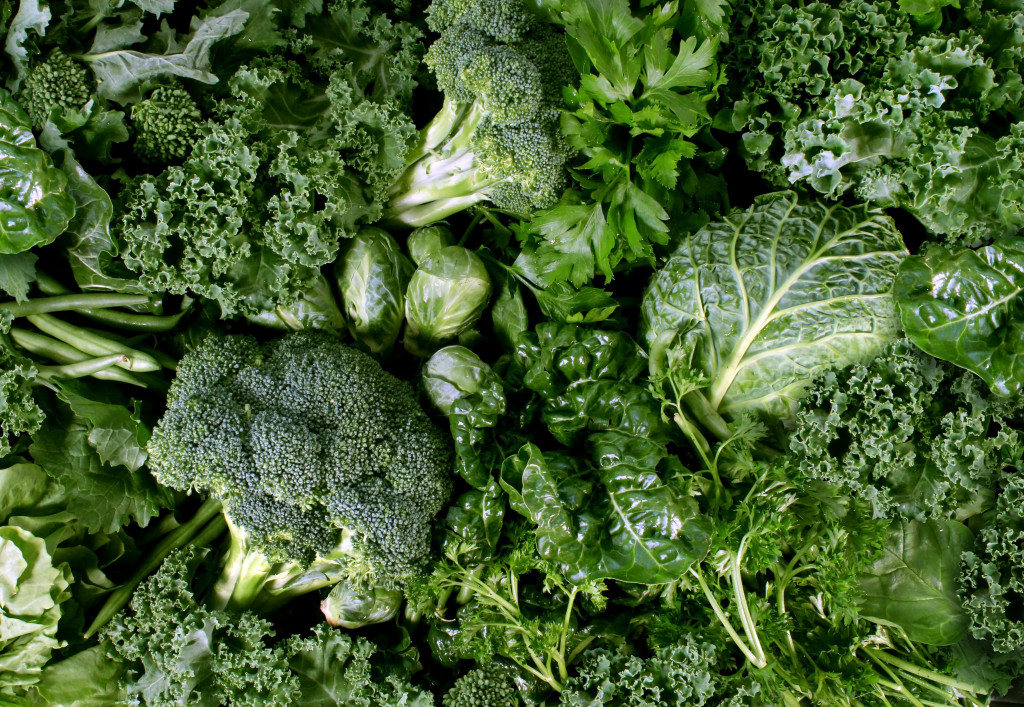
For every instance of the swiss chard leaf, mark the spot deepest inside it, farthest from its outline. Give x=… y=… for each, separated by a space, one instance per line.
x=619 y=521
x=914 y=583
x=765 y=299
x=967 y=308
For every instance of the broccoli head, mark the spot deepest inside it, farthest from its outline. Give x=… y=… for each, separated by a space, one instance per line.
x=166 y=125
x=311 y=446
x=497 y=136
x=58 y=82
x=490 y=685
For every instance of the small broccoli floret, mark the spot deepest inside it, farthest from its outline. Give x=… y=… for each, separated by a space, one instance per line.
x=497 y=136
x=316 y=452
x=179 y=652
x=166 y=125
x=487 y=686
x=59 y=82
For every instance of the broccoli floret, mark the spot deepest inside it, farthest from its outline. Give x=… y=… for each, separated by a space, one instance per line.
x=490 y=685
x=180 y=652
x=58 y=82
x=316 y=452
x=166 y=125
x=496 y=138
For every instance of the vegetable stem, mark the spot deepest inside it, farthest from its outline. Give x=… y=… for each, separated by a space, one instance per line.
x=209 y=512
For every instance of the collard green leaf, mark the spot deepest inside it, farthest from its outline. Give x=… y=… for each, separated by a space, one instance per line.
x=618 y=521
x=767 y=298
x=914 y=583
x=17 y=272
x=34 y=200
x=121 y=74
x=103 y=496
x=967 y=308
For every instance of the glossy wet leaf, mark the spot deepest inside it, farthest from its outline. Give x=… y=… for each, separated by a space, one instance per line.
x=616 y=521
x=967 y=308
x=35 y=206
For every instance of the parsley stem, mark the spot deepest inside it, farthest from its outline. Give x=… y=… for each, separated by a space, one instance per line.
x=758 y=662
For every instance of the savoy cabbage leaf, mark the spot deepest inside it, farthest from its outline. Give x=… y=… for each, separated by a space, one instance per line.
x=766 y=298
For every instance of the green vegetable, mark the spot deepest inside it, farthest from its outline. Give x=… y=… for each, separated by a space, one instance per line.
x=33 y=193
x=372 y=276
x=166 y=125
x=685 y=673
x=352 y=606
x=496 y=137
x=336 y=670
x=486 y=686
x=179 y=652
x=966 y=308
x=58 y=84
x=446 y=296
x=993 y=571
x=616 y=521
x=31 y=591
x=927 y=121
x=914 y=437
x=767 y=298
x=466 y=391
x=914 y=583
x=637 y=112
x=424 y=242
x=312 y=448
x=299 y=155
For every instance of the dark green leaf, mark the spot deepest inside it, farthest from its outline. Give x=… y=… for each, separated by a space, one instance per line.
x=968 y=308
x=914 y=583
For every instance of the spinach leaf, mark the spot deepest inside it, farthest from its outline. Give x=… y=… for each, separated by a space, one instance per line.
x=767 y=298
x=914 y=583
x=967 y=308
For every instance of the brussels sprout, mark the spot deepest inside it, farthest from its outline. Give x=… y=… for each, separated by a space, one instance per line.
x=315 y=309
x=455 y=373
x=351 y=605
x=446 y=296
x=372 y=277
x=425 y=242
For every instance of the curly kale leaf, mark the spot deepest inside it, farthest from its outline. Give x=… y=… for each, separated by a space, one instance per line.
x=299 y=155
x=685 y=673
x=915 y=437
x=336 y=669
x=854 y=96
x=993 y=573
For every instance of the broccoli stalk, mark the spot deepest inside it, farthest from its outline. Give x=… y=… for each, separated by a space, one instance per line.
x=496 y=138
x=248 y=580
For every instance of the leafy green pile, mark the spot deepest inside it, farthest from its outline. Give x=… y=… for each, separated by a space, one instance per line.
x=508 y=353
